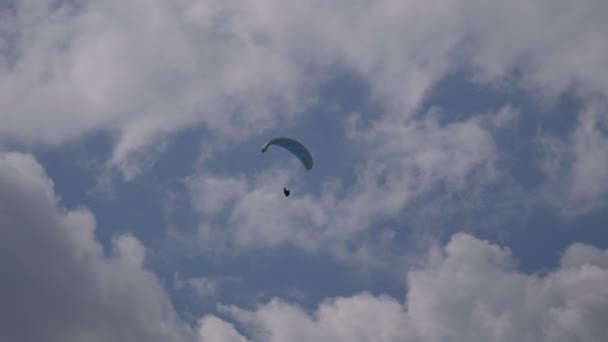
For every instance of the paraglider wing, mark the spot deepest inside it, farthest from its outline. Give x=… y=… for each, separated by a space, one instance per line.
x=294 y=147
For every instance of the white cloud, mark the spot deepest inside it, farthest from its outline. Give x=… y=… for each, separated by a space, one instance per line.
x=204 y=288
x=468 y=291
x=405 y=161
x=213 y=329
x=212 y=193
x=553 y=46
x=581 y=255
x=57 y=284
x=146 y=69
x=143 y=69
x=576 y=169
x=129 y=249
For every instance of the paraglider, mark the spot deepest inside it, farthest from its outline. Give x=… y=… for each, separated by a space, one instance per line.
x=296 y=148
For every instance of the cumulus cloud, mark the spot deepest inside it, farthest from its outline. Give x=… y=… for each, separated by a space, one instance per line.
x=153 y=69
x=575 y=169
x=406 y=160
x=213 y=329
x=470 y=290
x=58 y=285
x=580 y=255
x=146 y=69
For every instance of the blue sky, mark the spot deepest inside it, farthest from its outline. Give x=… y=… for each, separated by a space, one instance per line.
x=459 y=188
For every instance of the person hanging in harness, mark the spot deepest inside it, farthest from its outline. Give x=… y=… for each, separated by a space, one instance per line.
x=296 y=148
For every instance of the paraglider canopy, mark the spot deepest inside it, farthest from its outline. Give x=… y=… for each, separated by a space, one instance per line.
x=294 y=147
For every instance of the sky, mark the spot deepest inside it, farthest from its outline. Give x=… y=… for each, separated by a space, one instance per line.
x=459 y=189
